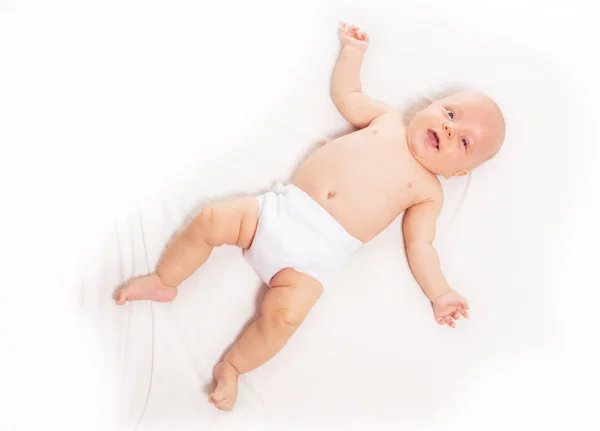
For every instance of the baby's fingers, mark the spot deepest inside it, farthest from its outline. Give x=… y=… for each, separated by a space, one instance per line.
x=450 y=322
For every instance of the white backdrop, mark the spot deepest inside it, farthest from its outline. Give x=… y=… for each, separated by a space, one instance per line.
x=119 y=119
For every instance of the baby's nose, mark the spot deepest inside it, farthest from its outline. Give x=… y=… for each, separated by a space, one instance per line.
x=448 y=130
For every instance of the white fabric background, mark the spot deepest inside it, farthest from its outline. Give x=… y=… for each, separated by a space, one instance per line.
x=119 y=119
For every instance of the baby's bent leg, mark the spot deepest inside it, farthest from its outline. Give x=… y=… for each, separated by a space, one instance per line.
x=230 y=222
x=286 y=305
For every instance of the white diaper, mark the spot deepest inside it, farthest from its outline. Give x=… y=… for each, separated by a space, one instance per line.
x=296 y=232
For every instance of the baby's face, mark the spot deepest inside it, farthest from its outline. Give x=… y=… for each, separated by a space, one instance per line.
x=455 y=134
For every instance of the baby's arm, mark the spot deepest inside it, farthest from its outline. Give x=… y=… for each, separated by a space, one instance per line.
x=419 y=231
x=356 y=107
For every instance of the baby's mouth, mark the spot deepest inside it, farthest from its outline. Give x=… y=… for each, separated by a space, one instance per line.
x=432 y=139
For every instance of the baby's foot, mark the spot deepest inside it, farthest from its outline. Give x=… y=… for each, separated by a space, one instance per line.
x=145 y=288
x=225 y=394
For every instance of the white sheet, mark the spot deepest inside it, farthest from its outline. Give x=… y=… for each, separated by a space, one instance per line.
x=161 y=110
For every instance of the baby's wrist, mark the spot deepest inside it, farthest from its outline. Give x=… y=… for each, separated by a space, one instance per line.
x=352 y=47
x=439 y=295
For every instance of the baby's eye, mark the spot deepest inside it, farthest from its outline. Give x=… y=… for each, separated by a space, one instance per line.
x=450 y=114
x=464 y=142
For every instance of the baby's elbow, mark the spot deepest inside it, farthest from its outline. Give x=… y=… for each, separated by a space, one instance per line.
x=354 y=116
x=417 y=247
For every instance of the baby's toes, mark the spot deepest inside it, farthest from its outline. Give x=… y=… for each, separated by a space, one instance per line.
x=120 y=297
x=216 y=398
x=224 y=405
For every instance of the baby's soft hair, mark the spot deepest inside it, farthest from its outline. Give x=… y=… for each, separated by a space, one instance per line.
x=416 y=104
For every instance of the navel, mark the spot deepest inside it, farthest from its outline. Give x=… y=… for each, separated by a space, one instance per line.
x=409 y=185
x=330 y=195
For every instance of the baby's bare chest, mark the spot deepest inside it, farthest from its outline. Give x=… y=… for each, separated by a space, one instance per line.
x=366 y=179
x=374 y=159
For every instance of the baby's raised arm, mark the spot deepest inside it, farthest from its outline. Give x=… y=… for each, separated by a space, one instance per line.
x=356 y=107
x=419 y=226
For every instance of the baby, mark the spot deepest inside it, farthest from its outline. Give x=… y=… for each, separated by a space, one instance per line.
x=297 y=236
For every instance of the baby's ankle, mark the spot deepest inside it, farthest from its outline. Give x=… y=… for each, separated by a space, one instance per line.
x=160 y=283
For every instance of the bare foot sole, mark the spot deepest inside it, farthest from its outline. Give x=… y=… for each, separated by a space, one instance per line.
x=225 y=394
x=145 y=288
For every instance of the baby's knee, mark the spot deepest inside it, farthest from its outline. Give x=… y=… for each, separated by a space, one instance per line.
x=202 y=224
x=282 y=319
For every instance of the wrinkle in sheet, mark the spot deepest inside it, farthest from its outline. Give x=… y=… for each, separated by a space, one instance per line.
x=144 y=244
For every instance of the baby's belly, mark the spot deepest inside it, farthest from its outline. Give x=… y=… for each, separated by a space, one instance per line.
x=362 y=195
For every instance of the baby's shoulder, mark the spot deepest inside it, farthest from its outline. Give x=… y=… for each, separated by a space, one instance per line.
x=429 y=189
x=390 y=119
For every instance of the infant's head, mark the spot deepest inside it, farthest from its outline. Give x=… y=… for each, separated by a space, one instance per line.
x=455 y=134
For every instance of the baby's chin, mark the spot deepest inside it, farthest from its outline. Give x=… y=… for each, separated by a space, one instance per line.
x=419 y=149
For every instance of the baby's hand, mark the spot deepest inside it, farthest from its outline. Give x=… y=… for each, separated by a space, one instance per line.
x=448 y=306
x=352 y=37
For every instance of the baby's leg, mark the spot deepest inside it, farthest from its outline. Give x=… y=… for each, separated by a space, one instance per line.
x=231 y=222
x=286 y=305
